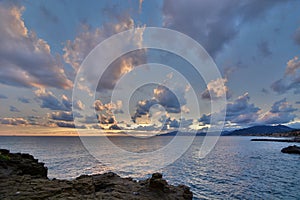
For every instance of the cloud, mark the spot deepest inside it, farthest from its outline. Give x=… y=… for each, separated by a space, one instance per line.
x=62 y=115
x=291 y=79
x=64 y=119
x=66 y=102
x=3 y=96
x=171 y=102
x=265 y=91
x=23 y=100
x=292 y=66
x=79 y=105
x=213 y=23
x=26 y=60
x=13 y=109
x=75 y=51
x=114 y=127
x=13 y=121
x=281 y=112
x=48 y=15
x=65 y=124
x=240 y=111
x=48 y=100
x=264 y=48
x=105 y=114
x=216 y=89
x=297 y=36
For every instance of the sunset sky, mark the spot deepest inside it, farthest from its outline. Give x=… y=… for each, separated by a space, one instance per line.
x=254 y=43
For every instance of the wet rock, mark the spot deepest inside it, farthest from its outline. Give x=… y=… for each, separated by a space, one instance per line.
x=291 y=149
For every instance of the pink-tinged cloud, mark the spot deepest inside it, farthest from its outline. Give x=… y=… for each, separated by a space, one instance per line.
x=216 y=89
x=26 y=59
x=75 y=51
x=281 y=112
x=13 y=121
x=291 y=78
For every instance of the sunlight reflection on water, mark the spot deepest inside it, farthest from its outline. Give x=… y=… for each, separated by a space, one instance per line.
x=236 y=168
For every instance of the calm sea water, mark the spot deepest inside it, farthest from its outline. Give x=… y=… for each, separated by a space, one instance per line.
x=235 y=169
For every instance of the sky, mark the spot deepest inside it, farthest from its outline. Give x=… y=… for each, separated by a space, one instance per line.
x=255 y=45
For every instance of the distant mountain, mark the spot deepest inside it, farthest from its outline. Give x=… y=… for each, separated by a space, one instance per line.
x=174 y=133
x=260 y=130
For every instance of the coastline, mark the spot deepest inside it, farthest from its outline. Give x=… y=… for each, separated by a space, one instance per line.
x=24 y=177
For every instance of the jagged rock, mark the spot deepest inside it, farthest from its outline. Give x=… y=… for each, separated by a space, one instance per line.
x=21 y=164
x=291 y=149
x=23 y=177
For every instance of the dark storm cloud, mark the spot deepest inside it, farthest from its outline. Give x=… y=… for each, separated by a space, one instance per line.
x=213 y=23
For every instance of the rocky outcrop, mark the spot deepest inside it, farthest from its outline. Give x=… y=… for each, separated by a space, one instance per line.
x=23 y=177
x=291 y=149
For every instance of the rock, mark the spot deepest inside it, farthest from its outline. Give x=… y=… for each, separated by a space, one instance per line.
x=291 y=149
x=23 y=177
x=21 y=164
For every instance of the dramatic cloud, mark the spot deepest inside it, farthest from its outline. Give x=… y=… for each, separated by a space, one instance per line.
x=281 y=112
x=216 y=89
x=13 y=109
x=13 y=121
x=25 y=59
x=213 y=23
x=48 y=100
x=23 y=100
x=291 y=80
x=166 y=98
x=105 y=113
x=77 y=50
x=240 y=111
x=3 y=96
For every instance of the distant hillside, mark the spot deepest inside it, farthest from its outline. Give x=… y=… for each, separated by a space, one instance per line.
x=260 y=130
x=174 y=133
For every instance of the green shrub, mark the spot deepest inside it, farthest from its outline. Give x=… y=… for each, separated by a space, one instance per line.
x=4 y=157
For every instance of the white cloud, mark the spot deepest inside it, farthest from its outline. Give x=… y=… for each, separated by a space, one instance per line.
x=216 y=89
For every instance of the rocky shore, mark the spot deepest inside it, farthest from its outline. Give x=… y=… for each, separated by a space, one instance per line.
x=23 y=177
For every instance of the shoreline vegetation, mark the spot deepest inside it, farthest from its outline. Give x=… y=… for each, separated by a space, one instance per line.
x=24 y=177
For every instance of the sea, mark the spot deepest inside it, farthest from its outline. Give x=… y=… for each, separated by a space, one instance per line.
x=236 y=168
